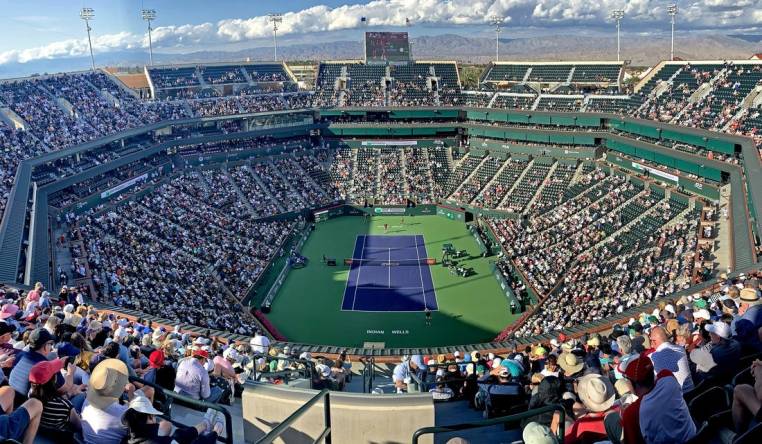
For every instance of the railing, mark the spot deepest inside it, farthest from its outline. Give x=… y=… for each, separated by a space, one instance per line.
x=281 y=428
x=495 y=421
x=194 y=404
x=368 y=373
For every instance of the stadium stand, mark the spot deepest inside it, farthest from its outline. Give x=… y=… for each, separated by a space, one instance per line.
x=595 y=244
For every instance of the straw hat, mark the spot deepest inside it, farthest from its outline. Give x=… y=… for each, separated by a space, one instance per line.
x=596 y=392
x=570 y=362
x=107 y=383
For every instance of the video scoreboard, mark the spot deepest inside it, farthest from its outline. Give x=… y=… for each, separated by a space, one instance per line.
x=384 y=47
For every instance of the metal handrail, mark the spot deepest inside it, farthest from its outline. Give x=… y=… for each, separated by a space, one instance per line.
x=495 y=421
x=199 y=404
x=325 y=435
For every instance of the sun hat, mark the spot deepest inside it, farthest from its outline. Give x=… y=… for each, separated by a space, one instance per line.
x=156 y=359
x=594 y=342
x=441 y=359
x=535 y=433
x=107 y=383
x=719 y=328
x=140 y=403
x=570 y=363
x=749 y=296
x=44 y=370
x=496 y=362
x=595 y=392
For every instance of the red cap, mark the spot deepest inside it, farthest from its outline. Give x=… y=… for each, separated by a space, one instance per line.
x=562 y=337
x=156 y=360
x=201 y=352
x=43 y=371
x=639 y=369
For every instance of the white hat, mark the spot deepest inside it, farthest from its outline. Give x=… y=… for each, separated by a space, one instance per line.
x=120 y=333
x=199 y=341
x=719 y=328
x=122 y=322
x=535 y=433
x=457 y=354
x=142 y=404
x=230 y=353
x=670 y=308
x=702 y=313
x=496 y=362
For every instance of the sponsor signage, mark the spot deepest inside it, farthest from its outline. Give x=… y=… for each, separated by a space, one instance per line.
x=655 y=172
x=389 y=143
x=123 y=186
x=389 y=210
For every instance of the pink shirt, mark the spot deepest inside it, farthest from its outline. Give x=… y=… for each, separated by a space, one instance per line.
x=33 y=295
x=224 y=363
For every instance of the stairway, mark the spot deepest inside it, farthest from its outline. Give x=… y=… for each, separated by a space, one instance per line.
x=540 y=188
x=243 y=198
x=513 y=187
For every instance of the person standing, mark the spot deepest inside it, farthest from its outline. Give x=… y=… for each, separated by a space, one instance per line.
x=427 y=312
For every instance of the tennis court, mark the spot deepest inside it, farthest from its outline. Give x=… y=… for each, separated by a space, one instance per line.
x=389 y=274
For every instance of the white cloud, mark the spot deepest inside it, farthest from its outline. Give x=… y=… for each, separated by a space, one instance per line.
x=640 y=15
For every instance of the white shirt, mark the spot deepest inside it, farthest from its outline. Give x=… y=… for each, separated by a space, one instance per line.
x=260 y=344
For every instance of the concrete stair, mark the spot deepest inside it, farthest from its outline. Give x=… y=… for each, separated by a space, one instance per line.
x=513 y=187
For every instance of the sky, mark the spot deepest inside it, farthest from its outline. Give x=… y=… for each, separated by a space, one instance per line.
x=51 y=29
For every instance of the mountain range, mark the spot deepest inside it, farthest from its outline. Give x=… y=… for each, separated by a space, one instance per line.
x=640 y=50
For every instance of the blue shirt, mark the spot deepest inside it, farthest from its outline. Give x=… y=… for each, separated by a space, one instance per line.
x=19 y=378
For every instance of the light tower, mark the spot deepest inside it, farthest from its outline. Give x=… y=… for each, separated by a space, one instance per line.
x=497 y=21
x=618 y=15
x=672 y=11
x=88 y=14
x=149 y=15
x=275 y=19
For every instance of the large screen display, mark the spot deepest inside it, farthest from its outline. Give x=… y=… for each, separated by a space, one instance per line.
x=387 y=47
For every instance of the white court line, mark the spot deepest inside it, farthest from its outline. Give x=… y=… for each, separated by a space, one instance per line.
x=390 y=268
x=359 y=269
x=420 y=273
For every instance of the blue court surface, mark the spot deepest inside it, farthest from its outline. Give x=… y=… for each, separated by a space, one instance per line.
x=391 y=275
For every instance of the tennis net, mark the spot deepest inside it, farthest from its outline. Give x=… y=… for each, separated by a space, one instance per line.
x=390 y=262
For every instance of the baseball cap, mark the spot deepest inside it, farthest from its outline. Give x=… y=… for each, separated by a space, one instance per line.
x=719 y=328
x=44 y=370
x=8 y=311
x=156 y=360
x=39 y=337
x=67 y=349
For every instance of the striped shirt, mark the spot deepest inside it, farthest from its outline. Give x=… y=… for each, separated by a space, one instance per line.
x=55 y=413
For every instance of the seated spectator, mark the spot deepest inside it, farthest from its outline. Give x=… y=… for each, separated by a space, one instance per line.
x=192 y=378
x=667 y=356
x=143 y=428
x=20 y=424
x=103 y=411
x=597 y=396
x=40 y=346
x=725 y=351
x=58 y=413
x=441 y=392
x=747 y=400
